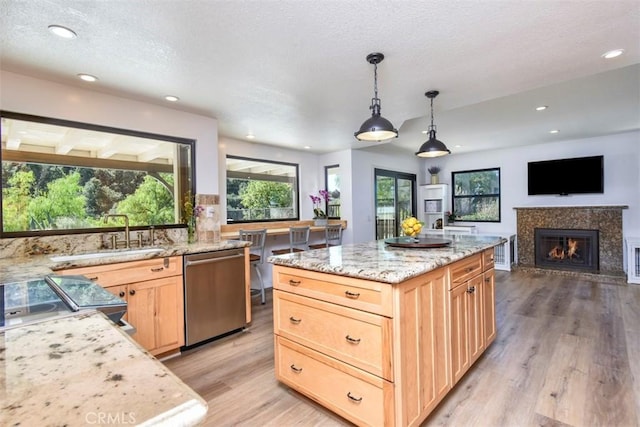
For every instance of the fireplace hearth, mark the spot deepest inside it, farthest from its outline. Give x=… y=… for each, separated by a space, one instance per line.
x=566 y=249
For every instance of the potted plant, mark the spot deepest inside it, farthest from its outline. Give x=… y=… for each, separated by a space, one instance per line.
x=319 y=216
x=433 y=170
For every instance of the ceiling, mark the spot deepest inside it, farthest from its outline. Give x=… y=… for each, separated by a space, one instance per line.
x=293 y=72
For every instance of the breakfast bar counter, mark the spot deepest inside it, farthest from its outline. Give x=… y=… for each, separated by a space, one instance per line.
x=380 y=334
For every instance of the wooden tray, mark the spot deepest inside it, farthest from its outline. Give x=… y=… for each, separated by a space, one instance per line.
x=417 y=242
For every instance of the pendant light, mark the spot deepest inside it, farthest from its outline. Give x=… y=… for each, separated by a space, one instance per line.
x=433 y=147
x=377 y=128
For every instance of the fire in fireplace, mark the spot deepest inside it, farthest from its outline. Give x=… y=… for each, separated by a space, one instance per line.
x=566 y=249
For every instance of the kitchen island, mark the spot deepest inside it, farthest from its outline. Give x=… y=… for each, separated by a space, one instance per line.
x=381 y=334
x=80 y=370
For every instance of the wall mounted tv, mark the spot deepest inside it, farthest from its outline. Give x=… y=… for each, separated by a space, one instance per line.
x=581 y=175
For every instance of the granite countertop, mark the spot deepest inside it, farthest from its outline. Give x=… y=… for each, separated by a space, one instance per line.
x=80 y=370
x=17 y=269
x=380 y=262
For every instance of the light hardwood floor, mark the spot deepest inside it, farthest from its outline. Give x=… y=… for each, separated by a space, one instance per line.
x=567 y=354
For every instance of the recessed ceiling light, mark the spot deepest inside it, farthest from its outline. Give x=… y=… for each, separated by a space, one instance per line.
x=554 y=131
x=541 y=108
x=88 y=77
x=250 y=136
x=425 y=131
x=172 y=98
x=457 y=146
x=307 y=147
x=613 y=53
x=64 y=32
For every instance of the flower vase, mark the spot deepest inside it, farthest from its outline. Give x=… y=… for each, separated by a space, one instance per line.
x=191 y=231
x=434 y=178
x=320 y=222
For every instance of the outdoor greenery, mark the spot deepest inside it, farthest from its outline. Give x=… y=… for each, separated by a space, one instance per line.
x=49 y=197
x=476 y=195
x=256 y=200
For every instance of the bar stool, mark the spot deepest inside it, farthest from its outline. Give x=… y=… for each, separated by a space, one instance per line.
x=332 y=237
x=298 y=241
x=256 y=252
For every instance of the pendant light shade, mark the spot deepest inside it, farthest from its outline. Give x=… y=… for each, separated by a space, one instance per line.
x=433 y=147
x=376 y=128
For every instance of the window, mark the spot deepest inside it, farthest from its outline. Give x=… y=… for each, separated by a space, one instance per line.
x=62 y=177
x=260 y=190
x=395 y=201
x=332 y=184
x=476 y=195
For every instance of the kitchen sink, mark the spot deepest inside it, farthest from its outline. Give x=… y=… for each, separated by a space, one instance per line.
x=105 y=254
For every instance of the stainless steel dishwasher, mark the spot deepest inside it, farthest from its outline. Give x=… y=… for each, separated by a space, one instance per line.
x=214 y=294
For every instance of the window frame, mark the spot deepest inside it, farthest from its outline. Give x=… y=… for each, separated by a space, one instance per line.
x=295 y=199
x=489 y=195
x=187 y=183
x=326 y=186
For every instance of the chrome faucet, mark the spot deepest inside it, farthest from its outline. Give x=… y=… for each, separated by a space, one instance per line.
x=126 y=226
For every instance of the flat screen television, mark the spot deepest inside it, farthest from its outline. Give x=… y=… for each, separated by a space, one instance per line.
x=581 y=175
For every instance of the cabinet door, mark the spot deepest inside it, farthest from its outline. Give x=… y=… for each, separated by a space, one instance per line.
x=476 y=332
x=458 y=304
x=141 y=310
x=169 y=315
x=489 y=306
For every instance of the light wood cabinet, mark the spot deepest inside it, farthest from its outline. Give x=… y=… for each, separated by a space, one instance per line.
x=377 y=353
x=352 y=345
x=153 y=289
x=472 y=307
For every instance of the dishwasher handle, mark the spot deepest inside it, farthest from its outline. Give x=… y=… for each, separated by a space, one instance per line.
x=210 y=260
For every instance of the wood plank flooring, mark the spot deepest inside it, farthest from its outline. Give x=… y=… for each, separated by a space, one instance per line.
x=567 y=354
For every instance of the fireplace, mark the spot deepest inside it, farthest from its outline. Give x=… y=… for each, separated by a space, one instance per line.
x=607 y=220
x=566 y=249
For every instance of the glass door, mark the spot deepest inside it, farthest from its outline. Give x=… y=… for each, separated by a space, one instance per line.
x=395 y=201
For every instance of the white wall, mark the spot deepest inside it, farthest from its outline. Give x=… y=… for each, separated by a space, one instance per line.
x=342 y=158
x=27 y=95
x=621 y=176
x=363 y=165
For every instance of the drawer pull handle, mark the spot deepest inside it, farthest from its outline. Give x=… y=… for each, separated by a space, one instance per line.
x=296 y=370
x=469 y=269
x=471 y=290
x=352 y=340
x=93 y=279
x=156 y=269
x=294 y=320
x=353 y=398
x=354 y=295
x=294 y=282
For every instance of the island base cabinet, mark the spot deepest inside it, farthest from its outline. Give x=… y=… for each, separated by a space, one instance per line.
x=356 y=395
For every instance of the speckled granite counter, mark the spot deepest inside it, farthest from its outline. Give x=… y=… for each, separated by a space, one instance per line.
x=382 y=263
x=15 y=269
x=80 y=370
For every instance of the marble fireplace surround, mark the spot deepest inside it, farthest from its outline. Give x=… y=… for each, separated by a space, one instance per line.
x=606 y=219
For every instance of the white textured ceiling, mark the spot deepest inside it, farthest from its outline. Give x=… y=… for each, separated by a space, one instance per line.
x=294 y=72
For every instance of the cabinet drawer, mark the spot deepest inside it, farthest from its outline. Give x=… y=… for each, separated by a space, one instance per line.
x=465 y=269
x=355 y=337
x=487 y=259
x=130 y=272
x=370 y=296
x=355 y=395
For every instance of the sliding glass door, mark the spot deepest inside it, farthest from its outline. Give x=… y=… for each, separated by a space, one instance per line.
x=395 y=200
